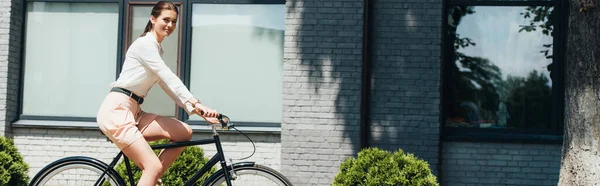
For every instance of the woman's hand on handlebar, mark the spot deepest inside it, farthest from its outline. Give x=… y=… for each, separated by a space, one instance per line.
x=207 y=113
x=212 y=120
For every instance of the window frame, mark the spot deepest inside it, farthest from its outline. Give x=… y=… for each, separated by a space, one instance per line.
x=187 y=79
x=20 y=115
x=554 y=135
x=184 y=63
x=126 y=42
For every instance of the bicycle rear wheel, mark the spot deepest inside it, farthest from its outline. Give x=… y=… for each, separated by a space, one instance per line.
x=254 y=175
x=76 y=171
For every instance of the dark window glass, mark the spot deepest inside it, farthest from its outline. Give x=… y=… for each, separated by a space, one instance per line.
x=498 y=67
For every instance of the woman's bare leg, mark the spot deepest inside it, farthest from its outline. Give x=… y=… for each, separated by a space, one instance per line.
x=159 y=127
x=142 y=155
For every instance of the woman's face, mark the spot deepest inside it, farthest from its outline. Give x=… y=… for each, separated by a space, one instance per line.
x=165 y=23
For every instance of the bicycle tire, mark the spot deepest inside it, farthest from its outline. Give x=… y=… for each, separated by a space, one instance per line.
x=95 y=166
x=276 y=178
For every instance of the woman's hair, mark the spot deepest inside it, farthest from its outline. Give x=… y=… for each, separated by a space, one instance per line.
x=157 y=9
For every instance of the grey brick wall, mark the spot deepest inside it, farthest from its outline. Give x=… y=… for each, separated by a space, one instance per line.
x=4 y=47
x=14 y=66
x=469 y=163
x=39 y=147
x=10 y=46
x=321 y=88
x=405 y=92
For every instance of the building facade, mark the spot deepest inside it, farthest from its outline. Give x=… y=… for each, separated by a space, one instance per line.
x=474 y=87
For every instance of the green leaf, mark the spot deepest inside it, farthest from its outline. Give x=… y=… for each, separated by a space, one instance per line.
x=13 y=170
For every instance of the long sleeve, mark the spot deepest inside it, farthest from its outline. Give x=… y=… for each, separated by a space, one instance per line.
x=187 y=106
x=147 y=54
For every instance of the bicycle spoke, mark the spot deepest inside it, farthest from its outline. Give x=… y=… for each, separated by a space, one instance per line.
x=255 y=176
x=73 y=174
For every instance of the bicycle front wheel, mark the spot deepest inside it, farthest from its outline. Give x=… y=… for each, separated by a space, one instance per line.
x=76 y=171
x=255 y=175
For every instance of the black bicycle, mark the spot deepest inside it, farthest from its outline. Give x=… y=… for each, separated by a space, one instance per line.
x=81 y=170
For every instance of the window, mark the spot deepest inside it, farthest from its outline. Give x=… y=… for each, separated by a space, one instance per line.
x=68 y=68
x=157 y=101
x=229 y=54
x=237 y=59
x=502 y=74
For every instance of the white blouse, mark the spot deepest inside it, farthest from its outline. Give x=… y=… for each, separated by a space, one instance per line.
x=144 y=66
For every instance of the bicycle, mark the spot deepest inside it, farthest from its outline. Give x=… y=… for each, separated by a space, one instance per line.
x=101 y=173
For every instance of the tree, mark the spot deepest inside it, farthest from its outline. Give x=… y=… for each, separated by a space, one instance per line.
x=581 y=144
x=475 y=86
x=527 y=101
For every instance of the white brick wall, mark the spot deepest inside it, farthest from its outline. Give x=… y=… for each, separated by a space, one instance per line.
x=10 y=59
x=5 y=8
x=268 y=147
x=39 y=147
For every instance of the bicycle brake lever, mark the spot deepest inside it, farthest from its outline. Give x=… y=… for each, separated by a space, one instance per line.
x=225 y=122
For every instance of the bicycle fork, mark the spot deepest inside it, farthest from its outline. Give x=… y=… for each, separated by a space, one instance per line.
x=219 y=157
x=223 y=160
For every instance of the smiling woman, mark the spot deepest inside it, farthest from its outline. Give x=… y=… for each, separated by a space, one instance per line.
x=159 y=102
x=120 y=117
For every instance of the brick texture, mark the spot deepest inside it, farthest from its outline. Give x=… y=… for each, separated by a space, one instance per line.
x=321 y=101
x=321 y=88
x=11 y=23
x=39 y=147
x=4 y=46
x=405 y=93
x=468 y=163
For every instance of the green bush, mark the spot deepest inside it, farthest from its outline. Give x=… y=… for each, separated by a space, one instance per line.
x=190 y=161
x=376 y=167
x=13 y=170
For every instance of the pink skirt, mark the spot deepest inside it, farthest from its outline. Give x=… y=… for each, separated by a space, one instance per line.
x=118 y=118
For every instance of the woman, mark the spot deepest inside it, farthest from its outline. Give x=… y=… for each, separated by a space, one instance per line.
x=120 y=116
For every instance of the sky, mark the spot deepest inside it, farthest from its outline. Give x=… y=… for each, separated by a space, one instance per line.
x=495 y=31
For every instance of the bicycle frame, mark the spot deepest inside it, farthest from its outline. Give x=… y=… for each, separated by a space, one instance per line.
x=219 y=157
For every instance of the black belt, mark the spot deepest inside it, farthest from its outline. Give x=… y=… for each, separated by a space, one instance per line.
x=137 y=98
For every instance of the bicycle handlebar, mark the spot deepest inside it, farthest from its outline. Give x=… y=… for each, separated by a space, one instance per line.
x=223 y=119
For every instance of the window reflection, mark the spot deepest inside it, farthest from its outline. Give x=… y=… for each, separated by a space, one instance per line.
x=156 y=101
x=498 y=72
x=237 y=59
x=69 y=54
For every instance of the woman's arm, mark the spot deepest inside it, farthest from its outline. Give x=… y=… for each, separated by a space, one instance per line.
x=148 y=55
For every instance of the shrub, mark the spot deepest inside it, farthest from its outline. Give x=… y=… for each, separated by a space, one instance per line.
x=186 y=165
x=377 y=167
x=13 y=170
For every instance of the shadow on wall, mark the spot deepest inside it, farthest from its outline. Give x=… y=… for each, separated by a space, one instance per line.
x=328 y=47
x=322 y=70
x=406 y=77
x=405 y=82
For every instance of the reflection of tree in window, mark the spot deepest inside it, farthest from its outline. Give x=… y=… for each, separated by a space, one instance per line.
x=476 y=95
x=530 y=103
